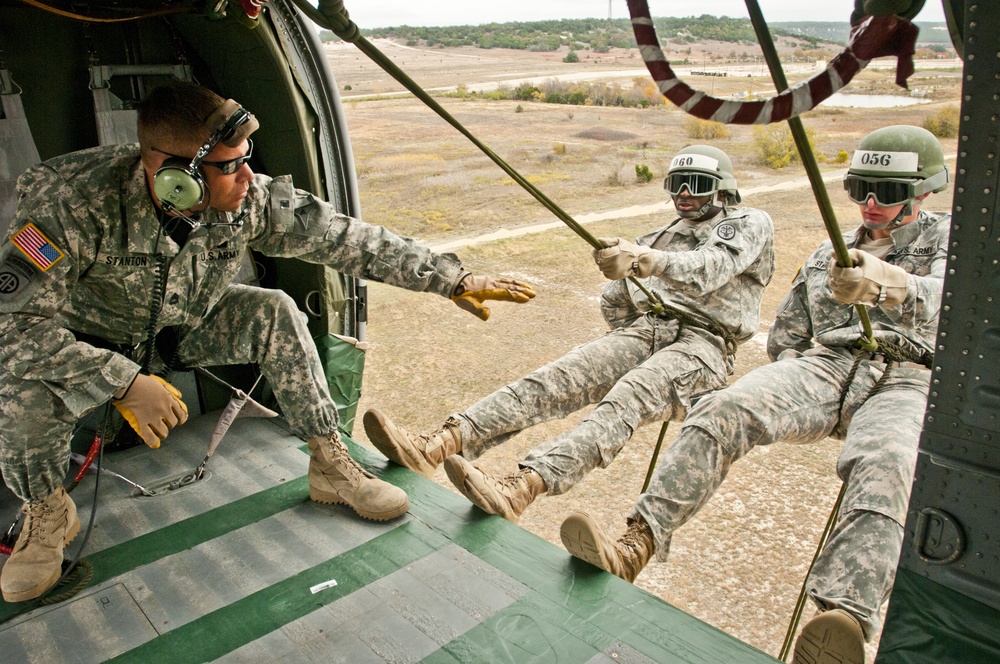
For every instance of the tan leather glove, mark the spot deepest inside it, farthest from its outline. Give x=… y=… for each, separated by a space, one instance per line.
x=472 y=290
x=152 y=407
x=871 y=281
x=620 y=258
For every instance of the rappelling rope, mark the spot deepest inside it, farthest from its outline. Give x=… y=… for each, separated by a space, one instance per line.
x=804 y=97
x=332 y=15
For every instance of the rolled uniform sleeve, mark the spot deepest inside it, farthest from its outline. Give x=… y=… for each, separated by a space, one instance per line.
x=292 y=223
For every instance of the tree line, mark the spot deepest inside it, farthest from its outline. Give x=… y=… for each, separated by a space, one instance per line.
x=599 y=35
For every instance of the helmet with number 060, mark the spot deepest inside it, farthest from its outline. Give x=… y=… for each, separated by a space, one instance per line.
x=702 y=170
x=895 y=165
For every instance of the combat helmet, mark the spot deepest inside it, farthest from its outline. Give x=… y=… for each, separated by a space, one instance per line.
x=895 y=165
x=702 y=160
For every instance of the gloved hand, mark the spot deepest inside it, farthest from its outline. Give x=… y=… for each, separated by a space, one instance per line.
x=871 y=281
x=621 y=258
x=471 y=290
x=152 y=407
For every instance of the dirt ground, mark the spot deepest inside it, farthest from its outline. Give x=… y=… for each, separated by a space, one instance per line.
x=740 y=563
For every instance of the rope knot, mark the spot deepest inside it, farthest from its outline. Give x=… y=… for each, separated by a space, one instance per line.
x=340 y=21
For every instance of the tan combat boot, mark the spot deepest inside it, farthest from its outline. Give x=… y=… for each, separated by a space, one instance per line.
x=35 y=564
x=421 y=453
x=334 y=477
x=832 y=636
x=585 y=540
x=507 y=497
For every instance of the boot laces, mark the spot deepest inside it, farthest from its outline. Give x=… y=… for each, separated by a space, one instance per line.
x=425 y=441
x=634 y=535
x=341 y=457
x=432 y=441
x=511 y=480
x=35 y=514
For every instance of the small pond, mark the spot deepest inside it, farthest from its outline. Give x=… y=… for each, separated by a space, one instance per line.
x=871 y=101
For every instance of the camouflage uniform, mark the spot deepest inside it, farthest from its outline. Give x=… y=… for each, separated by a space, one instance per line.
x=799 y=399
x=96 y=274
x=647 y=366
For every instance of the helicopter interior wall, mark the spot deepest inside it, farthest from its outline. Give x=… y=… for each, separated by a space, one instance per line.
x=49 y=58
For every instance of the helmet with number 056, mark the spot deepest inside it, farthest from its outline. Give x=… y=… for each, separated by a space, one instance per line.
x=895 y=165
x=702 y=170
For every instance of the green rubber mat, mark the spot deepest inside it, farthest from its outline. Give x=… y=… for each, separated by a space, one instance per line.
x=243 y=567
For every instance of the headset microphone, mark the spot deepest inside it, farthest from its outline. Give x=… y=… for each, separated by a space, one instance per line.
x=179 y=184
x=195 y=224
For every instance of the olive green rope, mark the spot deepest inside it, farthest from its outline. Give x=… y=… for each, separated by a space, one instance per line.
x=656 y=455
x=332 y=15
x=867 y=341
x=76 y=581
x=800 y=603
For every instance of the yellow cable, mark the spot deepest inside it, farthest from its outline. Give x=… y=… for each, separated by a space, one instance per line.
x=94 y=19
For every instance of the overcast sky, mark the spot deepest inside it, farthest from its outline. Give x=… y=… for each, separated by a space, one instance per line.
x=384 y=13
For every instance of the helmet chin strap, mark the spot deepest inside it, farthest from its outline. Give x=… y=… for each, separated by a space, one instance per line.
x=706 y=211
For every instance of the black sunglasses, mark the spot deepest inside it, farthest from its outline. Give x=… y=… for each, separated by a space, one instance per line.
x=226 y=167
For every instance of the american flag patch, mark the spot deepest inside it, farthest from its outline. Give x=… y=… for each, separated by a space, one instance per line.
x=36 y=247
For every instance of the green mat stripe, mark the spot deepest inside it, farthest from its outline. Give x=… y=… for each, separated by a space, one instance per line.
x=563 y=589
x=144 y=549
x=190 y=532
x=246 y=620
x=532 y=629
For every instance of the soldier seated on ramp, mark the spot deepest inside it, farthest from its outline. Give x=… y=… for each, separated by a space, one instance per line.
x=103 y=237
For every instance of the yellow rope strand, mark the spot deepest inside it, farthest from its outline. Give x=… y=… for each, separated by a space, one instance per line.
x=97 y=19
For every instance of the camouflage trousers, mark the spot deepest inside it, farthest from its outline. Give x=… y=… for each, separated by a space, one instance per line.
x=248 y=325
x=798 y=400
x=635 y=374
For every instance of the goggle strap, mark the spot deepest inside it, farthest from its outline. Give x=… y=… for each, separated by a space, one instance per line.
x=928 y=185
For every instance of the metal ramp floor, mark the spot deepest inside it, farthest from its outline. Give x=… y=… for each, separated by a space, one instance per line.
x=222 y=571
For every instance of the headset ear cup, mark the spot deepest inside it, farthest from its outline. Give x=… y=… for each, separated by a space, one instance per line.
x=178 y=184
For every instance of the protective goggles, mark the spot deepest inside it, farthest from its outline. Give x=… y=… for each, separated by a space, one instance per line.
x=888 y=192
x=226 y=167
x=697 y=184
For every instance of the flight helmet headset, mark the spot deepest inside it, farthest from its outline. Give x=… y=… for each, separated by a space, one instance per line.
x=180 y=184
